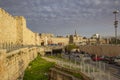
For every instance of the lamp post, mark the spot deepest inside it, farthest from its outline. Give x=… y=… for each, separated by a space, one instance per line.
x=116 y=24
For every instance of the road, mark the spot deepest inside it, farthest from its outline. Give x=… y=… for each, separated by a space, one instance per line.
x=110 y=70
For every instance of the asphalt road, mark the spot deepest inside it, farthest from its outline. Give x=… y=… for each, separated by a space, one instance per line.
x=105 y=67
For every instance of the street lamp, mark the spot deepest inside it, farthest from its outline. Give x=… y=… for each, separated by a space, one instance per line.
x=116 y=24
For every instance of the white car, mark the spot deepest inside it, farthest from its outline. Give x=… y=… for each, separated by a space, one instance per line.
x=117 y=60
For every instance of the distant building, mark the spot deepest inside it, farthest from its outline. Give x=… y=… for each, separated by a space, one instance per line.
x=95 y=39
x=48 y=39
x=76 y=39
x=45 y=38
x=96 y=36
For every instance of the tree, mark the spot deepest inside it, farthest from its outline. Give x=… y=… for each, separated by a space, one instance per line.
x=69 y=47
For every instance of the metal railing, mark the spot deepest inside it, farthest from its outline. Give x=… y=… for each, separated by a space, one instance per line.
x=15 y=47
x=96 y=70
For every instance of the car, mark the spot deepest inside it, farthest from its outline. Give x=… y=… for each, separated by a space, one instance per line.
x=109 y=60
x=96 y=58
x=86 y=57
x=117 y=60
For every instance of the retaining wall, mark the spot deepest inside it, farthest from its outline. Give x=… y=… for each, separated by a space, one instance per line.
x=13 y=64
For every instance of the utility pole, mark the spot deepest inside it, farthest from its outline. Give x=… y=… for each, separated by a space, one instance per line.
x=115 y=24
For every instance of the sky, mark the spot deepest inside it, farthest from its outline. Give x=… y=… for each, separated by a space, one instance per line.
x=63 y=17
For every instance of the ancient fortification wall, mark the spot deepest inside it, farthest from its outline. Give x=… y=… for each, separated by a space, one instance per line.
x=37 y=39
x=13 y=35
x=57 y=40
x=7 y=28
x=13 y=31
x=19 y=31
x=28 y=37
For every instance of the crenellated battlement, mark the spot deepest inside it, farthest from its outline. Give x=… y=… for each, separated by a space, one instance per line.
x=5 y=13
x=20 y=17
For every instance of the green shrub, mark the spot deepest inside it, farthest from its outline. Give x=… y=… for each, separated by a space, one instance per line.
x=70 y=47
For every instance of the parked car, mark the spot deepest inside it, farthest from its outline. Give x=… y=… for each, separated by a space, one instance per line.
x=96 y=58
x=110 y=60
x=85 y=57
x=117 y=60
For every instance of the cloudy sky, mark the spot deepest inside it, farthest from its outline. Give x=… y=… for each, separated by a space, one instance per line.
x=63 y=17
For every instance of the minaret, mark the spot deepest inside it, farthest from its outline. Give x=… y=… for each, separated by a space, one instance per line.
x=75 y=33
x=76 y=36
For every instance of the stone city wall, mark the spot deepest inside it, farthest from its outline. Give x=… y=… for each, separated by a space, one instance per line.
x=62 y=40
x=7 y=28
x=37 y=39
x=19 y=25
x=47 y=39
x=28 y=37
x=14 y=32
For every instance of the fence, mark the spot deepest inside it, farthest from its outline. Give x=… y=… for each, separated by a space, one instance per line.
x=11 y=46
x=94 y=70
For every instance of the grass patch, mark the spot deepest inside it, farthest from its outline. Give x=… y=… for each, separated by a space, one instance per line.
x=77 y=75
x=38 y=69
